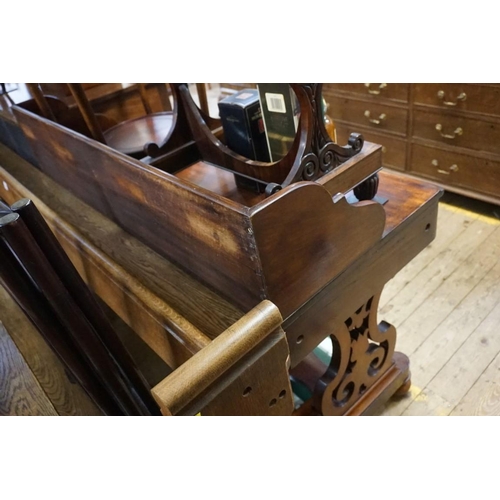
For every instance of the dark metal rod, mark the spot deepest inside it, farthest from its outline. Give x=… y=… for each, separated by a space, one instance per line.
x=83 y=297
x=22 y=244
x=38 y=310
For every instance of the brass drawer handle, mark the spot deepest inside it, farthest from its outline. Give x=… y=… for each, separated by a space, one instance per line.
x=458 y=131
x=453 y=168
x=381 y=87
x=375 y=121
x=461 y=97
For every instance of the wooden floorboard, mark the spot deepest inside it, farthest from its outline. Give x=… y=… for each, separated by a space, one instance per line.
x=484 y=396
x=446 y=307
x=66 y=396
x=450 y=293
x=20 y=392
x=462 y=371
x=414 y=294
x=450 y=224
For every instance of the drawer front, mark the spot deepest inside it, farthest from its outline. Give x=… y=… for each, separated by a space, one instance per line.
x=395 y=91
x=373 y=115
x=460 y=96
x=457 y=169
x=393 y=150
x=454 y=130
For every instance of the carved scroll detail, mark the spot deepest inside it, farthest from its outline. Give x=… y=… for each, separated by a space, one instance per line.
x=362 y=352
x=321 y=153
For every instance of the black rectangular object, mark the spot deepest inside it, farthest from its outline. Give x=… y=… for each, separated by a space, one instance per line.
x=280 y=110
x=241 y=118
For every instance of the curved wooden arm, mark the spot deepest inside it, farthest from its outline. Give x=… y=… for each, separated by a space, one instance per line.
x=196 y=375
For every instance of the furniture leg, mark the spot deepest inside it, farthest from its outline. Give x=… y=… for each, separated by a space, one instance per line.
x=363 y=370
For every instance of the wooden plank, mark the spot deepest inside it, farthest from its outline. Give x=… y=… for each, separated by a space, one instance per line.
x=170 y=335
x=447 y=338
x=484 y=396
x=67 y=397
x=161 y=277
x=468 y=363
x=440 y=303
x=205 y=234
x=450 y=225
x=415 y=293
x=20 y=392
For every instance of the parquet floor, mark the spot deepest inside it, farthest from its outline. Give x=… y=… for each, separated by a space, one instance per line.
x=445 y=305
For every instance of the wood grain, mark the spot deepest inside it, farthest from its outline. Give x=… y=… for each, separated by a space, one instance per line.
x=476 y=112
x=415 y=329
x=296 y=269
x=149 y=316
x=484 y=396
x=455 y=329
x=189 y=381
x=434 y=274
x=20 y=393
x=479 y=98
x=393 y=149
x=173 y=218
x=410 y=227
x=65 y=395
x=392 y=91
x=468 y=363
x=456 y=169
x=450 y=226
x=346 y=110
x=212 y=314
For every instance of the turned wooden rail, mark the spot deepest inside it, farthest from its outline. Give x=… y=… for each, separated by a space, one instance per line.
x=197 y=374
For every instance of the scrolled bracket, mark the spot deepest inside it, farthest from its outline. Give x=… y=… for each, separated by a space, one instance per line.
x=328 y=155
x=362 y=353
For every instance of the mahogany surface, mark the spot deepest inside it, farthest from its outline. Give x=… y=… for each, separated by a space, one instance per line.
x=131 y=136
x=321 y=260
x=233 y=365
x=411 y=207
x=233 y=256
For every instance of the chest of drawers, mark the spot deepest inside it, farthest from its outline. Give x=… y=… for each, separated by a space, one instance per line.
x=445 y=132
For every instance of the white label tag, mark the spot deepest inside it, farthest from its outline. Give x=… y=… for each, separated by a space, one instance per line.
x=276 y=103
